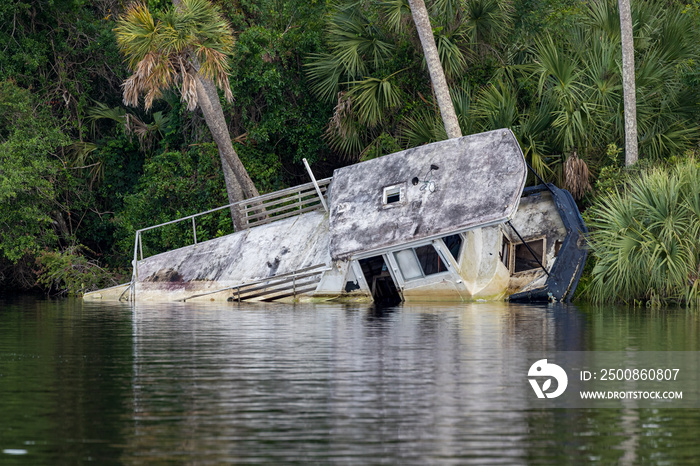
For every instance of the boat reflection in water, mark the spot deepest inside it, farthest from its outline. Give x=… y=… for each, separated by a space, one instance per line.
x=339 y=381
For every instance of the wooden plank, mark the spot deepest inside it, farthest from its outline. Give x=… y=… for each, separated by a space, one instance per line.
x=286 y=201
x=319 y=268
x=298 y=292
x=286 y=290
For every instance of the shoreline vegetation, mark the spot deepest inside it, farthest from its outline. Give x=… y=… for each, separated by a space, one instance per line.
x=336 y=83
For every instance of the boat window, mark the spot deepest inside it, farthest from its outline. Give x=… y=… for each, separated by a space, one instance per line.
x=408 y=264
x=393 y=194
x=351 y=281
x=454 y=244
x=419 y=262
x=505 y=252
x=524 y=259
x=430 y=260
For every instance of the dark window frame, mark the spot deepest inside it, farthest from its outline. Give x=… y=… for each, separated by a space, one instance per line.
x=511 y=261
x=442 y=263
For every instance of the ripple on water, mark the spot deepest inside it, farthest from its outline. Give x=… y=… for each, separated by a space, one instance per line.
x=325 y=383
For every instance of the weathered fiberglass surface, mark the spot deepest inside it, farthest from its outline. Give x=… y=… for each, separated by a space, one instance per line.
x=478 y=181
x=276 y=248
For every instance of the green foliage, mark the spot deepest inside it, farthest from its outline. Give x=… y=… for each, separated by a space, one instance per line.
x=174 y=185
x=332 y=82
x=366 y=71
x=265 y=169
x=646 y=239
x=273 y=106
x=64 y=50
x=70 y=272
x=29 y=169
x=559 y=90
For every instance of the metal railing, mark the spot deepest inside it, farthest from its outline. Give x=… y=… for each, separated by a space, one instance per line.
x=275 y=287
x=257 y=211
x=285 y=203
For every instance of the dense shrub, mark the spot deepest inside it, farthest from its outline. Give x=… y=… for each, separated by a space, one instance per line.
x=646 y=239
x=70 y=272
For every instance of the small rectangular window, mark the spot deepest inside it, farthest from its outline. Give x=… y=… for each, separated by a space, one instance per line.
x=505 y=252
x=393 y=195
x=430 y=260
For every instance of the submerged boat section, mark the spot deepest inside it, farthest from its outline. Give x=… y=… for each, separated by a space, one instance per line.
x=557 y=234
x=449 y=221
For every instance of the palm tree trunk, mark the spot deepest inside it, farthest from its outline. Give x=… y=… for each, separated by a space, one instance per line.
x=437 y=75
x=628 y=82
x=239 y=186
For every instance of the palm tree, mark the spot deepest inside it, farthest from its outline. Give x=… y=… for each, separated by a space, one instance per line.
x=187 y=47
x=628 y=84
x=437 y=75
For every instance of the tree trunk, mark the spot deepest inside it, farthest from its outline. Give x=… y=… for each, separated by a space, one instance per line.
x=230 y=163
x=437 y=75
x=239 y=186
x=628 y=82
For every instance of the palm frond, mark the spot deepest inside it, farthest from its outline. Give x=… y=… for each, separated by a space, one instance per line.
x=373 y=97
x=354 y=40
x=136 y=33
x=497 y=106
x=643 y=239
x=422 y=128
x=486 y=20
x=82 y=157
x=101 y=111
x=452 y=57
x=462 y=102
x=324 y=72
x=173 y=48
x=397 y=14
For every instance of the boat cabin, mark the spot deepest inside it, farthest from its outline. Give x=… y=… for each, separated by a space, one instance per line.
x=449 y=221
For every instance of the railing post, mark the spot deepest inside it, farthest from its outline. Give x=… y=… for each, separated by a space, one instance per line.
x=141 y=245
x=135 y=265
x=313 y=180
x=194 y=230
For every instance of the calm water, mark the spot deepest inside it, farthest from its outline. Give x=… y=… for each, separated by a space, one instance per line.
x=217 y=384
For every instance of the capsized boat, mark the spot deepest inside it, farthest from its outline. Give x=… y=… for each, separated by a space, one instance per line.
x=448 y=221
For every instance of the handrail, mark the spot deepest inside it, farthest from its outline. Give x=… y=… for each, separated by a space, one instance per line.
x=278 y=279
x=252 y=216
x=252 y=200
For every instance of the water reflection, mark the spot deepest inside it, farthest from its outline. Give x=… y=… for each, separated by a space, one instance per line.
x=198 y=383
x=417 y=382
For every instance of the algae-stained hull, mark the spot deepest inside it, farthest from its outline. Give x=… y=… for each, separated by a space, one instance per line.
x=443 y=222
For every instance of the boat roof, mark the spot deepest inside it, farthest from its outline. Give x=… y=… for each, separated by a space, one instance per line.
x=402 y=198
